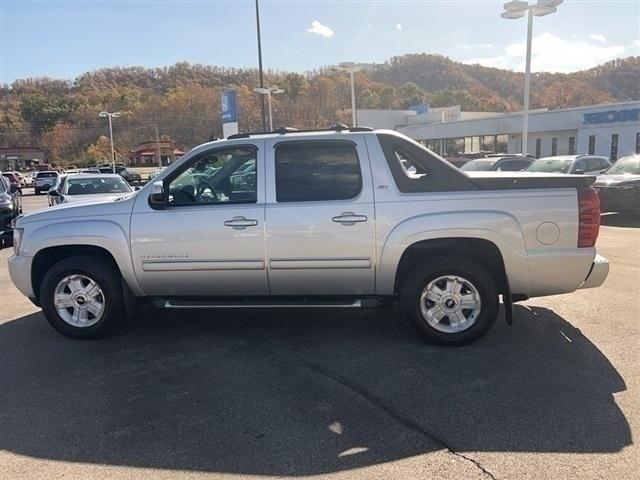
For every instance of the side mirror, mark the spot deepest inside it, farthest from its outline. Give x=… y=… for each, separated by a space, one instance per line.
x=578 y=171
x=136 y=188
x=157 y=199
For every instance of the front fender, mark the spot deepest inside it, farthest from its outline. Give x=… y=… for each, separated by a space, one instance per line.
x=107 y=234
x=499 y=228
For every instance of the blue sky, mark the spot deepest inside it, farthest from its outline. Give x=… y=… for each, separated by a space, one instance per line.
x=62 y=39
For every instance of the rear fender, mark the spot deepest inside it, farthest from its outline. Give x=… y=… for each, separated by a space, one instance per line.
x=501 y=229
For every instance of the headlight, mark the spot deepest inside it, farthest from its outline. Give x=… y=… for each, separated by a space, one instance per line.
x=17 y=239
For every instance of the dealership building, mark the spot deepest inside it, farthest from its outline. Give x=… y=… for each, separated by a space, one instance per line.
x=611 y=130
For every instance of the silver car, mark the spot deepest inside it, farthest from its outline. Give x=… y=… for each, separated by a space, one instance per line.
x=43 y=181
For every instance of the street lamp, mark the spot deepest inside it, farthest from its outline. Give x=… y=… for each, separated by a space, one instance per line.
x=111 y=115
x=517 y=9
x=352 y=68
x=268 y=92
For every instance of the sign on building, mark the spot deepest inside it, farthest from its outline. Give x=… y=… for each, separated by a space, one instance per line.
x=612 y=116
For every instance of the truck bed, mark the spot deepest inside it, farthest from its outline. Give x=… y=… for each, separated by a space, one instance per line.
x=517 y=180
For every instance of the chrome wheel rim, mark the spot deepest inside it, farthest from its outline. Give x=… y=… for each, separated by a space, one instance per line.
x=79 y=301
x=450 y=304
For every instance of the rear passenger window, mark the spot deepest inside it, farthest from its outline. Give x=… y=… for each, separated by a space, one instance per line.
x=313 y=171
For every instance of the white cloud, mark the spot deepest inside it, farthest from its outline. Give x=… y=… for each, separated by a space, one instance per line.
x=554 y=54
x=320 y=29
x=398 y=26
x=598 y=37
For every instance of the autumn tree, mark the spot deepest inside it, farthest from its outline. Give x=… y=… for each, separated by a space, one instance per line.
x=100 y=151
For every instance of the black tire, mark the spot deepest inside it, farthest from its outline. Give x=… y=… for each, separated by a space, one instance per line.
x=37 y=191
x=101 y=271
x=476 y=274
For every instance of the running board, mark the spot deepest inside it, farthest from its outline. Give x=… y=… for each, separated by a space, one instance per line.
x=202 y=304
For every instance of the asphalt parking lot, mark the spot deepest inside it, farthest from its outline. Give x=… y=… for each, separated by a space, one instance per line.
x=260 y=394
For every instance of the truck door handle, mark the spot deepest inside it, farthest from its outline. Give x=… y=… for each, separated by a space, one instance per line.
x=349 y=218
x=238 y=223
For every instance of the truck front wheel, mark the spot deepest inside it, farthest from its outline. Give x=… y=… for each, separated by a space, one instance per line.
x=81 y=297
x=452 y=301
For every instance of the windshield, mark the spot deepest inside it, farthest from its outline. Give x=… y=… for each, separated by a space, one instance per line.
x=47 y=174
x=550 y=165
x=93 y=186
x=626 y=165
x=478 y=165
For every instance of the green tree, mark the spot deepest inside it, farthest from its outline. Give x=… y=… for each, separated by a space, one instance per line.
x=411 y=94
x=43 y=112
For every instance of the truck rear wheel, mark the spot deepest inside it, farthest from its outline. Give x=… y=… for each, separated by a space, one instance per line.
x=81 y=297
x=452 y=301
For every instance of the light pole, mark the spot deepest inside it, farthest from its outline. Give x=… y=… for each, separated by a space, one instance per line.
x=268 y=92
x=260 y=76
x=111 y=115
x=517 y=9
x=352 y=68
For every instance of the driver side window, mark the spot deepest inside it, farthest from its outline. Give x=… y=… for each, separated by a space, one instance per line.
x=225 y=176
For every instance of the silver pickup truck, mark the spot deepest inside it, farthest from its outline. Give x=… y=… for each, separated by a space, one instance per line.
x=341 y=218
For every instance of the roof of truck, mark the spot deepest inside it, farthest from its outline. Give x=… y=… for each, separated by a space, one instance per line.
x=339 y=127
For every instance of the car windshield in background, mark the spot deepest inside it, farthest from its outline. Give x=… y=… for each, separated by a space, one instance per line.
x=478 y=165
x=626 y=165
x=93 y=186
x=551 y=165
x=47 y=174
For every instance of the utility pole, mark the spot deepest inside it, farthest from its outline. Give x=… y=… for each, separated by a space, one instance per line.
x=158 y=143
x=264 y=118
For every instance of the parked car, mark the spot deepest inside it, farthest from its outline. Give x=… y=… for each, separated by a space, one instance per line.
x=441 y=243
x=21 y=179
x=575 y=164
x=29 y=179
x=43 y=181
x=14 y=182
x=457 y=162
x=512 y=163
x=156 y=172
x=130 y=175
x=52 y=196
x=10 y=208
x=619 y=187
x=88 y=187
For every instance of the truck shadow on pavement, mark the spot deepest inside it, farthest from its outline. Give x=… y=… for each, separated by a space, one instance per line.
x=301 y=392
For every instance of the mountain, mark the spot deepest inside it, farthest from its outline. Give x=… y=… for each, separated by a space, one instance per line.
x=61 y=116
x=442 y=78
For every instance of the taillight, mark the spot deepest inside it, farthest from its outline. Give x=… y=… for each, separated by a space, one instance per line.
x=588 y=217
